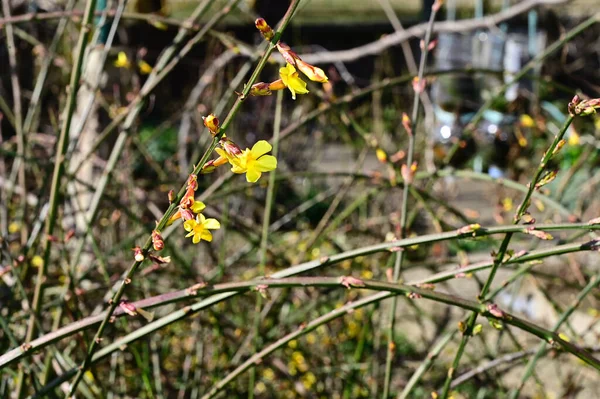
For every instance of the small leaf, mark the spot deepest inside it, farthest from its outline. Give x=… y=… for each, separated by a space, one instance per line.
x=477 y=329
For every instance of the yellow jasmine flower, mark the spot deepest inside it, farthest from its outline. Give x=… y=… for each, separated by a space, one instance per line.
x=199 y=228
x=145 y=68
x=253 y=162
x=122 y=61
x=292 y=81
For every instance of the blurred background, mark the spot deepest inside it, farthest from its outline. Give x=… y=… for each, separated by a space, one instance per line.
x=338 y=187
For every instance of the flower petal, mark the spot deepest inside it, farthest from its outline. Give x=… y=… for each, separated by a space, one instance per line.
x=252 y=175
x=266 y=163
x=198 y=206
x=189 y=225
x=260 y=148
x=206 y=236
x=222 y=153
x=238 y=169
x=212 y=224
x=196 y=239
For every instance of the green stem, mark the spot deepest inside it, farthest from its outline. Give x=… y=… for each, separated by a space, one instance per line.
x=59 y=167
x=264 y=241
x=399 y=257
x=114 y=302
x=499 y=258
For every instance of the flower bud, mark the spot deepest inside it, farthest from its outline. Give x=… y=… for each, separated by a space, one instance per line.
x=264 y=28
x=208 y=167
x=407 y=124
x=171 y=196
x=231 y=148
x=260 y=89
x=287 y=53
x=312 y=72
x=192 y=182
x=138 y=254
x=212 y=123
x=187 y=214
x=128 y=308
x=157 y=241
x=188 y=198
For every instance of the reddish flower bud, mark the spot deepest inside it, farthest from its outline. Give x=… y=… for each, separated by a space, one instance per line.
x=171 y=196
x=192 y=182
x=407 y=124
x=187 y=214
x=188 y=198
x=212 y=123
x=128 y=308
x=230 y=147
x=287 y=53
x=157 y=241
x=260 y=89
x=138 y=254
x=264 y=28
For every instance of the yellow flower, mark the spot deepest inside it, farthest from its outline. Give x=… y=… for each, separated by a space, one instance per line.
x=145 y=68
x=253 y=162
x=122 y=61
x=199 y=228
x=292 y=81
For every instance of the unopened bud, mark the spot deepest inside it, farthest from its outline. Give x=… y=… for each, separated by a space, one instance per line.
x=192 y=182
x=418 y=85
x=260 y=89
x=287 y=53
x=138 y=255
x=406 y=124
x=231 y=148
x=188 y=198
x=208 y=167
x=171 y=196
x=212 y=123
x=264 y=28
x=128 y=308
x=312 y=72
x=157 y=241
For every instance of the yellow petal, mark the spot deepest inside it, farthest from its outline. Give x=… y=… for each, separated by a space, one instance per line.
x=212 y=224
x=206 y=236
x=196 y=238
x=266 y=163
x=223 y=154
x=252 y=175
x=189 y=225
x=260 y=148
x=122 y=61
x=145 y=68
x=198 y=206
